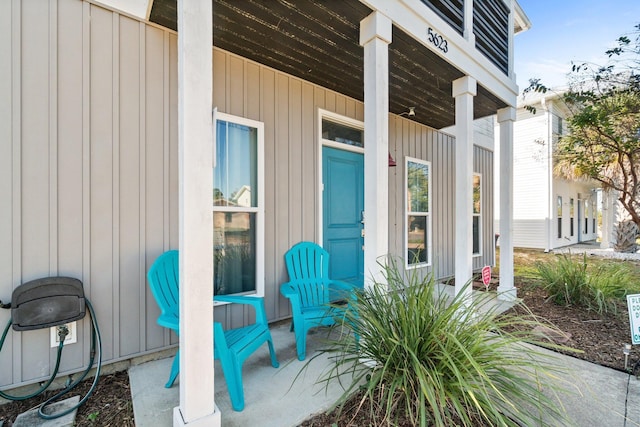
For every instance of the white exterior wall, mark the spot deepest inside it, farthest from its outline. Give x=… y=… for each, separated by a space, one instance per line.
x=535 y=219
x=530 y=181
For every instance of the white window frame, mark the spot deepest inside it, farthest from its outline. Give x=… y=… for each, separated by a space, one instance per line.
x=479 y=215
x=428 y=215
x=259 y=209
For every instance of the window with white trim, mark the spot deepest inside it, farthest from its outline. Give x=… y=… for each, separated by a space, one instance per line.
x=238 y=206
x=477 y=214
x=418 y=212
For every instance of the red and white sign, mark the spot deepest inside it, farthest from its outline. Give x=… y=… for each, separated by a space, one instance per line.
x=486 y=275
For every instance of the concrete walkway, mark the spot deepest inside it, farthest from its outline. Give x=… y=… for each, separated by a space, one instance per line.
x=597 y=396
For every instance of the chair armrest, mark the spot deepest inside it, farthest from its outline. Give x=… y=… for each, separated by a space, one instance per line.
x=256 y=302
x=288 y=290
x=238 y=299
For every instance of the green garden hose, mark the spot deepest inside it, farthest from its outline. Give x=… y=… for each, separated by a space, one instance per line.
x=96 y=342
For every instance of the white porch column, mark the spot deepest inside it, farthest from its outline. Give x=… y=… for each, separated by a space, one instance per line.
x=195 y=41
x=506 y=118
x=375 y=36
x=464 y=89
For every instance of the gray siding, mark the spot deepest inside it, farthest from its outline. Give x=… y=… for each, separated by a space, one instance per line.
x=289 y=109
x=89 y=170
x=408 y=138
x=483 y=164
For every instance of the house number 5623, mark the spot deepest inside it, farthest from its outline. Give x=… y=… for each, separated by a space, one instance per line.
x=437 y=40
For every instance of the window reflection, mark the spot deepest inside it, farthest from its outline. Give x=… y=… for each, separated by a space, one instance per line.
x=417 y=212
x=234 y=252
x=418 y=187
x=477 y=214
x=417 y=240
x=236 y=212
x=342 y=133
x=235 y=174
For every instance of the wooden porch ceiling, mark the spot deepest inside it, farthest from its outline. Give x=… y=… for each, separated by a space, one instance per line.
x=318 y=41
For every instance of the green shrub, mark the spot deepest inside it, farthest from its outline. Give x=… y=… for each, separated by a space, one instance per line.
x=440 y=360
x=601 y=287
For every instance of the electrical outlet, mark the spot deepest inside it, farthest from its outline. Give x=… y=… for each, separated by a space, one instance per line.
x=71 y=338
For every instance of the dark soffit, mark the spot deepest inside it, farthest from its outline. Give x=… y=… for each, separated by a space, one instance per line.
x=318 y=41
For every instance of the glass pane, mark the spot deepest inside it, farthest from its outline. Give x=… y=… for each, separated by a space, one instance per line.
x=343 y=134
x=476 y=194
x=571 y=227
x=476 y=234
x=559 y=228
x=417 y=187
x=559 y=207
x=417 y=240
x=234 y=252
x=571 y=208
x=235 y=173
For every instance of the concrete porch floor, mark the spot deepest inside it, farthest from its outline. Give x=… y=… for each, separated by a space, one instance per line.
x=597 y=396
x=270 y=394
x=272 y=397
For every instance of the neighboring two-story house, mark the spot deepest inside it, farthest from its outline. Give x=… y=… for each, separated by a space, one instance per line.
x=549 y=211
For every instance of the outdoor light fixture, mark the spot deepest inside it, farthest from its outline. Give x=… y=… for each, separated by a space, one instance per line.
x=392 y=162
x=410 y=113
x=627 y=351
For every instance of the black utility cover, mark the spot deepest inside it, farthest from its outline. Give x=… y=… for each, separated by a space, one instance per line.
x=47 y=302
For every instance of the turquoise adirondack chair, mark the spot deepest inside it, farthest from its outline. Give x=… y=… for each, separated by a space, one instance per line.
x=232 y=347
x=310 y=291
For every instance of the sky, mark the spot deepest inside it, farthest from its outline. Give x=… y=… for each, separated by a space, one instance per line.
x=569 y=30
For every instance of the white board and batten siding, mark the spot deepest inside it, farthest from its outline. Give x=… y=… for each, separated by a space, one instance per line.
x=89 y=171
x=530 y=180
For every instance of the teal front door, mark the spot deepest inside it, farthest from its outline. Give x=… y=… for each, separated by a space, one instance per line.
x=343 y=216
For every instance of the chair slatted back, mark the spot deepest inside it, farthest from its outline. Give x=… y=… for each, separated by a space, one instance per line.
x=163 y=280
x=308 y=267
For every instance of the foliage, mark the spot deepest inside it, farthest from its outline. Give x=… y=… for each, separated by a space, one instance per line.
x=571 y=280
x=604 y=139
x=433 y=359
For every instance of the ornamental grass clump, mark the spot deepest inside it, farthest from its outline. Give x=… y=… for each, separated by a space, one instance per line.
x=426 y=358
x=601 y=287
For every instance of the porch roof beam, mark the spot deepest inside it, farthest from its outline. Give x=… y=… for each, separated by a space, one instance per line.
x=415 y=18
